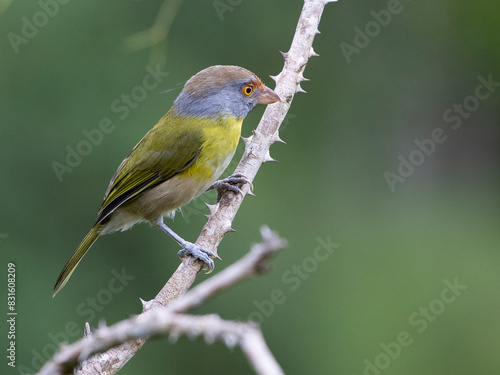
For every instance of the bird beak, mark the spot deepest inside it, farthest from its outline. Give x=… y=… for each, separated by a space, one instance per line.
x=268 y=96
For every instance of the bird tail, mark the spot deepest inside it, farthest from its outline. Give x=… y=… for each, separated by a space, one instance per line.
x=76 y=258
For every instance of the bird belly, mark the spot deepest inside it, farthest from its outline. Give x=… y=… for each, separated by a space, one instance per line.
x=178 y=191
x=218 y=150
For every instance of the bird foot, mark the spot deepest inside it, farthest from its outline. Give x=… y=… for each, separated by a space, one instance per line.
x=231 y=183
x=199 y=253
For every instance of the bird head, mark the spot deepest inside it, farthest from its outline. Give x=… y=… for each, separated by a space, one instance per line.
x=222 y=90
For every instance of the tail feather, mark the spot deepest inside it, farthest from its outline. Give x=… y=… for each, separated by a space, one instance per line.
x=75 y=259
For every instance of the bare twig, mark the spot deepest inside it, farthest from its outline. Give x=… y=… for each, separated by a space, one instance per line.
x=253 y=263
x=223 y=213
x=163 y=321
x=169 y=319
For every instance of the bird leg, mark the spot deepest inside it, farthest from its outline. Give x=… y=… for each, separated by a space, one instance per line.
x=189 y=248
x=230 y=184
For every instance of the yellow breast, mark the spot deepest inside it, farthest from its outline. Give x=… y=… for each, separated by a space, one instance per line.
x=220 y=139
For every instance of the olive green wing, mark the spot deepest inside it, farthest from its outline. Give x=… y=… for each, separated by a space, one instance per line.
x=167 y=149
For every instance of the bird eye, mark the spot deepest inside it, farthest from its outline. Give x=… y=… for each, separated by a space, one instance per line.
x=247 y=90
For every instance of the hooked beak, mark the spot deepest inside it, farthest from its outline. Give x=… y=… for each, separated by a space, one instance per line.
x=268 y=96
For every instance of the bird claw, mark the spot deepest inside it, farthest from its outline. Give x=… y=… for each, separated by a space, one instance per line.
x=201 y=254
x=231 y=184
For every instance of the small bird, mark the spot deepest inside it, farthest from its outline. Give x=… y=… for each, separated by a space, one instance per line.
x=181 y=157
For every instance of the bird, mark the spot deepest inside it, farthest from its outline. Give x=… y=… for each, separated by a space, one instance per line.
x=181 y=157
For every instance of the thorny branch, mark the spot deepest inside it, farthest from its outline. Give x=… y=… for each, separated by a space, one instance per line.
x=223 y=213
x=173 y=320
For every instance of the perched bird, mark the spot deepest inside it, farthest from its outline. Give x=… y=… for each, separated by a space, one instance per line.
x=179 y=158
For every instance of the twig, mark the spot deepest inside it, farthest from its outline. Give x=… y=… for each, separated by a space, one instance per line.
x=156 y=36
x=256 y=153
x=253 y=263
x=159 y=322
x=169 y=319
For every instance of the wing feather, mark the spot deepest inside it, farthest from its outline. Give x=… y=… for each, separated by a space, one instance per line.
x=160 y=155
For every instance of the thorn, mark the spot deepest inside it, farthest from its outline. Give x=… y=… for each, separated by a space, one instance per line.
x=266 y=233
x=87 y=332
x=147 y=305
x=284 y=54
x=209 y=338
x=251 y=193
x=247 y=140
x=256 y=133
x=211 y=208
x=228 y=230
x=301 y=67
x=276 y=78
x=268 y=157
x=312 y=53
x=207 y=217
x=317 y=31
x=230 y=340
x=173 y=337
x=300 y=89
x=301 y=78
x=276 y=138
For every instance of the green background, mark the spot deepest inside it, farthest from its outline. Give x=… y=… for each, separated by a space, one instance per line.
x=396 y=248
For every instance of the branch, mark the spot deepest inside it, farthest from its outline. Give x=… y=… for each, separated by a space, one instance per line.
x=256 y=153
x=158 y=321
x=254 y=263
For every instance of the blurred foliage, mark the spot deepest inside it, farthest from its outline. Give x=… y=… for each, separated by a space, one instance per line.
x=356 y=123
